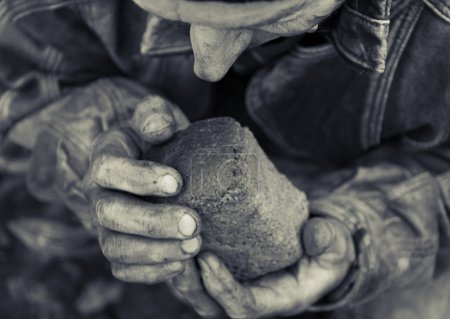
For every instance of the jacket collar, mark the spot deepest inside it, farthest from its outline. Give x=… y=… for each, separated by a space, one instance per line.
x=165 y=37
x=360 y=34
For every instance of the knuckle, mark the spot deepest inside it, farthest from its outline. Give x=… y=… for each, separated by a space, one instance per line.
x=173 y=267
x=103 y=235
x=98 y=162
x=107 y=208
x=86 y=184
x=157 y=258
x=186 y=288
x=119 y=273
x=116 y=271
x=158 y=104
x=111 y=248
x=156 y=226
x=105 y=247
x=153 y=104
x=101 y=206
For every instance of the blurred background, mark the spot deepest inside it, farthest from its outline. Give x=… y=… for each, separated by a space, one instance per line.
x=51 y=267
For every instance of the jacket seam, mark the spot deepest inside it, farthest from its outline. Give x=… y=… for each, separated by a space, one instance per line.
x=3 y=13
x=168 y=50
x=382 y=86
x=436 y=10
x=411 y=185
x=5 y=102
x=381 y=25
x=352 y=57
x=23 y=9
x=444 y=178
x=53 y=60
x=366 y=18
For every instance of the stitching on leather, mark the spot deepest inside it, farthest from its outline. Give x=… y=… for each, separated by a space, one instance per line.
x=378 y=101
x=365 y=17
x=381 y=27
x=439 y=11
x=24 y=8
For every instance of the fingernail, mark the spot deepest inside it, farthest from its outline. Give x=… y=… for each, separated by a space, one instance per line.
x=190 y=246
x=187 y=225
x=155 y=123
x=323 y=234
x=212 y=261
x=318 y=237
x=203 y=265
x=175 y=266
x=168 y=184
x=313 y=29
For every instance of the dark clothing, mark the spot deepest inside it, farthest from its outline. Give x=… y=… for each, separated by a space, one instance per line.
x=375 y=128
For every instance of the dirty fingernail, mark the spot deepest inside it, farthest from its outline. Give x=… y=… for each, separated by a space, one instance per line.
x=313 y=29
x=187 y=225
x=319 y=237
x=168 y=184
x=155 y=123
x=212 y=261
x=203 y=265
x=323 y=235
x=190 y=246
x=175 y=266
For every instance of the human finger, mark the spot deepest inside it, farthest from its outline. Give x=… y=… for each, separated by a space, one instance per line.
x=131 y=215
x=138 y=177
x=157 y=119
x=235 y=299
x=189 y=287
x=146 y=274
x=328 y=242
x=129 y=249
x=279 y=293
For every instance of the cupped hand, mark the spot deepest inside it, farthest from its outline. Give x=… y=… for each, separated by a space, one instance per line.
x=145 y=242
x=329 y=252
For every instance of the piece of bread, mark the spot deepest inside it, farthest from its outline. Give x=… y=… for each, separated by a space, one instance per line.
x=251 y=214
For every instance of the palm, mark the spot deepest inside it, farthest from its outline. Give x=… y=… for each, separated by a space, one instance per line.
x=287 y=292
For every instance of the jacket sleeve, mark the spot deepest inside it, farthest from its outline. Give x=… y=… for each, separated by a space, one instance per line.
x=396 y=203
x=59 y=89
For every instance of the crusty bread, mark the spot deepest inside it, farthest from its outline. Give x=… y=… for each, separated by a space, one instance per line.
x=251 y=214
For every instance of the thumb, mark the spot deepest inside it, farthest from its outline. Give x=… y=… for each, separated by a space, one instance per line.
x=328 y=241
x=156 y=119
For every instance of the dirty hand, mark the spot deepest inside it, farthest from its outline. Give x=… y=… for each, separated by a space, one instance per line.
x=145 y=242
x=329 y=252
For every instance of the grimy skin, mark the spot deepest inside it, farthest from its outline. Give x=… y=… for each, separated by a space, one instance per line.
x=251 y=214
x=150 y=243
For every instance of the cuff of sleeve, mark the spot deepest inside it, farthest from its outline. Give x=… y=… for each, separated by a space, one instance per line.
x=352 y=290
